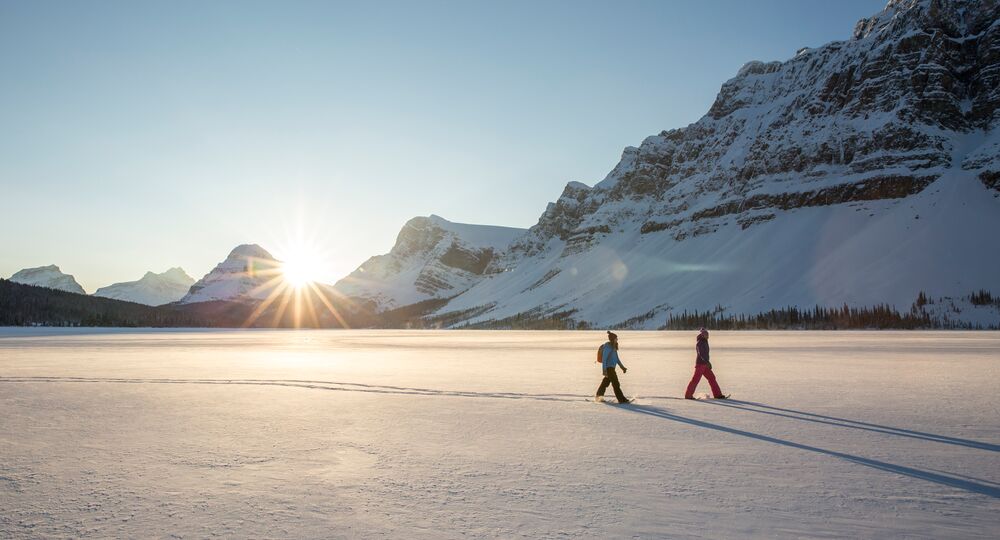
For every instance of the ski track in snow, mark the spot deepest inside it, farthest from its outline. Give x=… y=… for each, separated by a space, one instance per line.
x=573 y=398
x=99 y=437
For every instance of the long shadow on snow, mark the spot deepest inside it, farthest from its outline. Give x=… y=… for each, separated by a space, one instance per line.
x=853 y=424
x=936 y=478
x=312 y=385
x=315 y=385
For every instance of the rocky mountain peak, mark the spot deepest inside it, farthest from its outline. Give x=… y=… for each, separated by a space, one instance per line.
x=954 y=18
x=177 y=274
x=418 y=235
x=432 y=258
x=244 y=251
x=48 y=276
x=901 y=115
x=249 y=273
x=152 y=289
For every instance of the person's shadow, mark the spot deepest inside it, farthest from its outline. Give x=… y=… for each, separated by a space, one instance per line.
x=975 y=485
x=853 y=424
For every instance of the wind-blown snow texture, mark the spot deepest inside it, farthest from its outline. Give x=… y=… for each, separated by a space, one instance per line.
x=152 y=289
x=860 y=172
x=355 y=434
x=48 y=276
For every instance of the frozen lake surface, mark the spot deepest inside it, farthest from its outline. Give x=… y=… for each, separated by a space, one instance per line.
x=394 y=434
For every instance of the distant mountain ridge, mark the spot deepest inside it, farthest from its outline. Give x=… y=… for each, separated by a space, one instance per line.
x=152 y=289
x=48 y=276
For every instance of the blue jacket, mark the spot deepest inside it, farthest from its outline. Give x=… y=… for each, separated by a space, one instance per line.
x=609 y=357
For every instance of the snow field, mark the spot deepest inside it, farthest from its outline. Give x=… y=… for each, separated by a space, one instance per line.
x=374 y=434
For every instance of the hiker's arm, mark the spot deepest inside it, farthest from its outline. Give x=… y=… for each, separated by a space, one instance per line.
x=619 y=361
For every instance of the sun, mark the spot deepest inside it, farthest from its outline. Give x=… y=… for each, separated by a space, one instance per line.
x=301 y=268
x=297 y=292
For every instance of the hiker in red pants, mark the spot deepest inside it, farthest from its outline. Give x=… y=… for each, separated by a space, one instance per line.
x=703 y=367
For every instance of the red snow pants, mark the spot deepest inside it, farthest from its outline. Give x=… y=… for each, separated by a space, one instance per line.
x=699 y=370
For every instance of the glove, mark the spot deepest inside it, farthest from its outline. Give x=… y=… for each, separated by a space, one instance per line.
x=624 y=369
x=709 y=365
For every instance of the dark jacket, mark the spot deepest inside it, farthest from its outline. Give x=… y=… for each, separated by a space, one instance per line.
x=702 y=348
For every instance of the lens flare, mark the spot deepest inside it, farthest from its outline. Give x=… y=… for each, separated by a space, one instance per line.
x=297 y=293
x=300 y=269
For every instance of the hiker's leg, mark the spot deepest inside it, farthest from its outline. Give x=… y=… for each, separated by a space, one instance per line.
x=617 y=386
x=695 y=379
x=716 y=392
x=604 y=386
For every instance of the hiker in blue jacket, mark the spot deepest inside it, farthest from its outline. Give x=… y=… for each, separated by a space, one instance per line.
x=609 y=360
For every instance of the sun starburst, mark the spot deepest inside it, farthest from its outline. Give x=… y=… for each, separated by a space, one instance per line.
x=294 y=294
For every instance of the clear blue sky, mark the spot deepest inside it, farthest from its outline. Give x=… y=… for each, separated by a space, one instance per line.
x=139 y=136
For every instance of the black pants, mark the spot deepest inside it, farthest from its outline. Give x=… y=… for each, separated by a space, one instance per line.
x=611 y=377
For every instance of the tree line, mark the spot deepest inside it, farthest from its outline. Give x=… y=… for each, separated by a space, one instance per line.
x=27 y=305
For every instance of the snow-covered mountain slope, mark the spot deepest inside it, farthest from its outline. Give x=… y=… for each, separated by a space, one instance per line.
x=152 y=289
x=48 y=276
x=858 y=253
x=859 y=172
x=433 y=258
x=248 y=274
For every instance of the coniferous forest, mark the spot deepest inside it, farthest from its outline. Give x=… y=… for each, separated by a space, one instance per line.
x=27 y=305
x=819 y=318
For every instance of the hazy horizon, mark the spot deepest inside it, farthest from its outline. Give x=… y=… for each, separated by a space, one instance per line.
x=144 y=137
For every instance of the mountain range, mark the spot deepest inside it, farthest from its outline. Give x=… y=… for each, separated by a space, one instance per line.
x=861 y=173
x=152 y=289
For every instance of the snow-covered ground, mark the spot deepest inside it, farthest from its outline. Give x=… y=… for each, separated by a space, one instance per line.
x=372 y=434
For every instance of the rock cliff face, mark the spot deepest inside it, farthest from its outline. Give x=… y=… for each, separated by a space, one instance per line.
x=48 y=276
x=152 y=289
x=880 y=116
x=433 y=258
x=853 y=172
x=860 y=172
x=248 y=274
